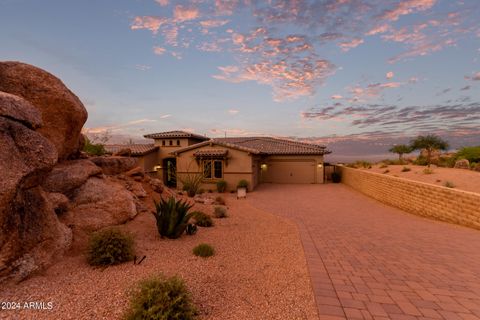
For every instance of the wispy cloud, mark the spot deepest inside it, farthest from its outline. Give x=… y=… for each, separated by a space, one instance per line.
x=233 y=111
x=294 y=64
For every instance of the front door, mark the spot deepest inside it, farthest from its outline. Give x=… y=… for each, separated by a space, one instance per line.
x=169 y=172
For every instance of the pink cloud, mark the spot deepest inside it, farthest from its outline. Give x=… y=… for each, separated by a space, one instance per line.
x=233 y=111
x=182 y=13
x=346 y=46
x=336 y=97
x=288 y=80
x=159 y=50
x=151 y=23
x=406 y=7
x=213 y=23
x=390 y=75
x=378 y=29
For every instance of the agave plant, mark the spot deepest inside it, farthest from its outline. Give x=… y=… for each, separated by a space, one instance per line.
x=172 y=217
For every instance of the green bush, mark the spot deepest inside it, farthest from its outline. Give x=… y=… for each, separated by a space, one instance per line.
x=336 y=177
x=446 y=162
x=191 y=183
x=109 y=247
x=220 y=212
x=202 y=219
x=158 y=298
x=242 y=184
x=406 y=169
x=191 y=229
x=472 y=154
x=420 y=161
x=449 y=184
x=93 y=149
x=203 y=250
x=172 y=217
x=427 y=171
x=221 y=186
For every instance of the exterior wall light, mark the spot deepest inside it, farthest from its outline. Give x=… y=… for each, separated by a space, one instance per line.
x=157 y=168
x=263 y=166
x=320 y=165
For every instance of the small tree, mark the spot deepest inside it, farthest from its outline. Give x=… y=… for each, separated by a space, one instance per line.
x=430 y=143
x=400 y=149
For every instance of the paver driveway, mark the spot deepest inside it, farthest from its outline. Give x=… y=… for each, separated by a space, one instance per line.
x=371 y=261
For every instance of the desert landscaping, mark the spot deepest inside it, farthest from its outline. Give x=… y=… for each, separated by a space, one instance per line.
x=462 y=179
x=55 y=197
x=87 y=235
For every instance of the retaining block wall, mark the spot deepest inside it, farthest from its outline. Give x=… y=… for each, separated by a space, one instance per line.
x=423 y=199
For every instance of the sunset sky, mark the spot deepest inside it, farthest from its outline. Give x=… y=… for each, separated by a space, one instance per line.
x=357 y=72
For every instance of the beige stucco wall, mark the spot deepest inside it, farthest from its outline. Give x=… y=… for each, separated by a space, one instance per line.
x=148 y=161
x=238 y=167
x=427 y=200
x=292 y=169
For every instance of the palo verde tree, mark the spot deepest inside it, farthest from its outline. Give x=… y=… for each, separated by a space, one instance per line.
x=430 y=143
x=400 y=149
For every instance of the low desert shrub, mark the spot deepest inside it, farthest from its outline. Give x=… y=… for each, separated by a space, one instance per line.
x=172 y=217
x=420 y=161
x=219 y=200
x=242 y=184
x=386 y=171
x=203 y=250
x=406 y=169
x=162 y=299
x=191 y=229
x=383 y=166
x=93 y=149
x=427 y=171
x=202 y=219
x=472 y=154
x=449 y=184
x=109 y=247
x=220 y=212
x=362 y=164
x=191 y=183
x=221 y=186
x=336 y=177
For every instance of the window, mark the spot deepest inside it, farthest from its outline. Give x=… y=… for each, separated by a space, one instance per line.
x=163 y=143
x=178 y=142
x=170 y=143
x=212 y=169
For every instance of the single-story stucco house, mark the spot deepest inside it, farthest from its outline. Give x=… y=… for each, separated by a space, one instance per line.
x=175 y=155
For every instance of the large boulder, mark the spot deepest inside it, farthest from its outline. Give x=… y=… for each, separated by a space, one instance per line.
x=100 y=203
x=62 y=112
x=30 y=233
x=462 y=164
x=70 y=175
x=115 y=165
x=18 y=109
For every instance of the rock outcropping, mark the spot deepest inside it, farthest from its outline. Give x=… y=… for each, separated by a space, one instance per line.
x=63 y=114
x=49 y=197
x=30 y=233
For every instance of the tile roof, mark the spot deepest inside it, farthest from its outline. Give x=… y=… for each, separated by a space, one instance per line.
x=137 y=149
x=276 y=146
x=211 y=153
x=175 y=134
x=264 y=145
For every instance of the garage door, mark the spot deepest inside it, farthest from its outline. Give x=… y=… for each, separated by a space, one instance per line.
x=301 y=171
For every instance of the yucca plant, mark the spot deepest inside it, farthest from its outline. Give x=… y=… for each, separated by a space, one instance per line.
x=172 y=217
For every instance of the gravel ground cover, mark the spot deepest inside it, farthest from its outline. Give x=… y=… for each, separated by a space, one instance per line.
x=462 y=179
x=258 y=272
